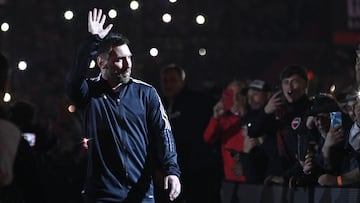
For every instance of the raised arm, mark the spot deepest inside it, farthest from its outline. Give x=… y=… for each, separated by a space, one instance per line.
x=77 y=87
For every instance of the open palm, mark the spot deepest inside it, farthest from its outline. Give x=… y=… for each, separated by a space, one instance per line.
x=96 y=22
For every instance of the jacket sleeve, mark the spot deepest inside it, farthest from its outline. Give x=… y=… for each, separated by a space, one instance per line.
x=211 y=133
x=76 y=85
x=161 y=135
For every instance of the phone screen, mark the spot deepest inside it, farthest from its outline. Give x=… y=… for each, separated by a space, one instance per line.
x=335 y=118
x=30 y=138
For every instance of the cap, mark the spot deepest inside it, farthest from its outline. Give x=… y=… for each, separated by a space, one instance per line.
x=259 y=85
x=323 y=103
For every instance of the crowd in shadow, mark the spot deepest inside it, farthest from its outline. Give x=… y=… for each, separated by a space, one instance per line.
x=253 y=132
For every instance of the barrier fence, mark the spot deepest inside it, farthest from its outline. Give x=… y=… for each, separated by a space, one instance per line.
x=277 y=194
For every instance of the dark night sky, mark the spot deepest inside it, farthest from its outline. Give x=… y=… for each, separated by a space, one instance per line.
x=244 y=40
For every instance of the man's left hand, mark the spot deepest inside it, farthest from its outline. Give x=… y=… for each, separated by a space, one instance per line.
x=172 y=183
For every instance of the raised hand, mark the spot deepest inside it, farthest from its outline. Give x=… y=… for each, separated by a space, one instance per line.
x=96 y=20
x=249 y=143
x=334 y=136
x=218 y=110
x=274 y=103
x=308 y=164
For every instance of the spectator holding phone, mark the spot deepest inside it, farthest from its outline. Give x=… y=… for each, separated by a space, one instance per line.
x=259 y=155
x=341 y=151
x=223 y=126
x=327 y=138
x=285 y=115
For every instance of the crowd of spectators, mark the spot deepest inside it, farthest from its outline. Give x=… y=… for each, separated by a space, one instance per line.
x=52 y=166
x=255 y=133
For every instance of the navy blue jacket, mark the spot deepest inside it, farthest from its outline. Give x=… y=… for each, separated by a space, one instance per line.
x=128 y=134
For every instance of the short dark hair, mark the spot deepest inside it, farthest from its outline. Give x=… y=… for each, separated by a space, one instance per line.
x=294 y=69
x=112 y=40
x=179 y=70
x=4 y=71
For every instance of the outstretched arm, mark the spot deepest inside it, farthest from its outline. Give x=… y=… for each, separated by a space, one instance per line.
x=348 y=178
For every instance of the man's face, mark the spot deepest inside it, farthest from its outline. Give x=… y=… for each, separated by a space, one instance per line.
x=322 y=122
x=294 y=87
x=357 y=112
x=119 y=64
x=257 y=99
x=348 y=107
x=171 y=83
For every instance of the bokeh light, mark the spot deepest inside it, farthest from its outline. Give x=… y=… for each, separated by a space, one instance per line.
x=154 y=52
x=134 y=5
x=7 y=97
x=5 y=27
x=200 y=19
x=202 y=51
x=68 y=15
x=71 y=108
x=112 y=13
x=166 y=18
x=22 y=65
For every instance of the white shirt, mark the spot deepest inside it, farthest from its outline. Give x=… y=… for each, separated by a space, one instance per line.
x=354 y=137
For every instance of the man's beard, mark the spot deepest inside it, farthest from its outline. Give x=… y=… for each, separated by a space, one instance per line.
x=122 y=77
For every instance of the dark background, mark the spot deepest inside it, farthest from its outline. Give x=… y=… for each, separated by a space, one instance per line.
x=245 y=39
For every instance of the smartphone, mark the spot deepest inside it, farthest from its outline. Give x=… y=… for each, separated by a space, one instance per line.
x=228 y=99
x=30 y=138
x=335 y=118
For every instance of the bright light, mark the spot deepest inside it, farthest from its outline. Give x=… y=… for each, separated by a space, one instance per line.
x=85 y=142
x=166 y=18
x=22 y=65
x=172 y=1
x=134 y=5
x=332 y=88
x=154 y=52
x=71 y=108
x=112 y=13
x=68 y=15
x=5 y=27
x=92 y=64
x=202 y=51
x=200 y=19
x=7 y=97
